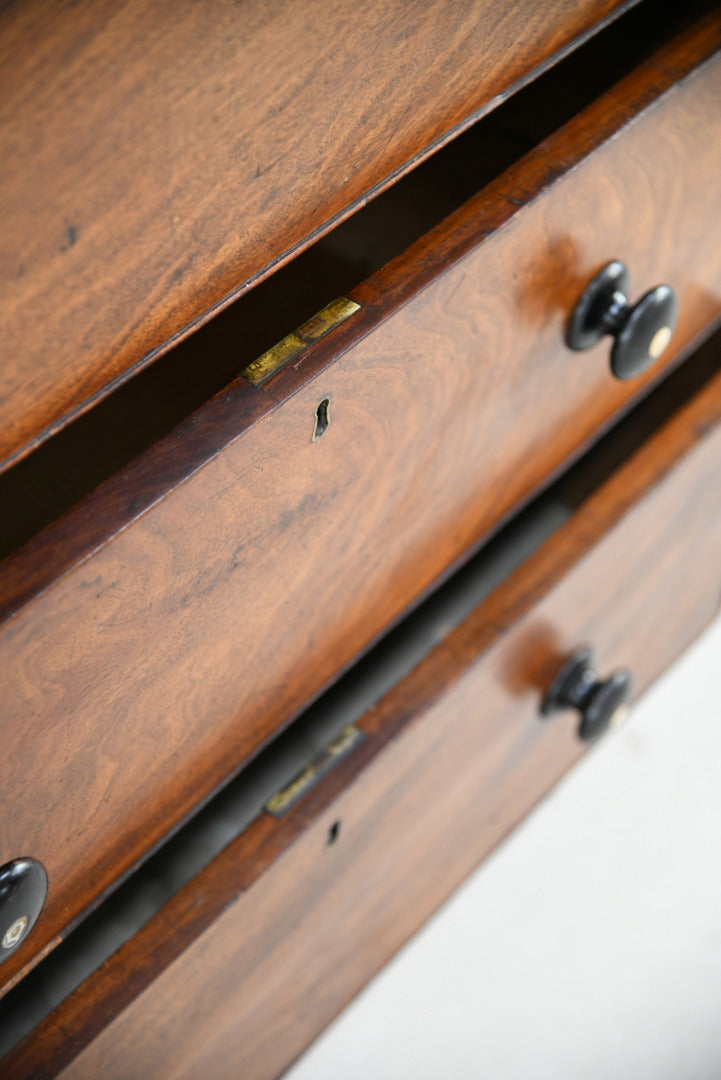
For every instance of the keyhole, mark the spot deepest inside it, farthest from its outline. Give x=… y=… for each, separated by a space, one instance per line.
x=322 y=419
x=333 y=833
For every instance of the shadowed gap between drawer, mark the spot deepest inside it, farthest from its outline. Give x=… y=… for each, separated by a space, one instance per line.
x=233 y=809
x=98 y=444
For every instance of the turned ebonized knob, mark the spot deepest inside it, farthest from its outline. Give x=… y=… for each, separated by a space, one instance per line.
x=641 y=331
x=23 y=888
x=602 y=703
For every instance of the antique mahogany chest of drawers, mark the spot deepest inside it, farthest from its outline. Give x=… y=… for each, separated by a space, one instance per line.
x=296 y=624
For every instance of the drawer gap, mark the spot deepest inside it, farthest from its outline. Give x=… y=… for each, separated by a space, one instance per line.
x=143 y=410
x=275 y=769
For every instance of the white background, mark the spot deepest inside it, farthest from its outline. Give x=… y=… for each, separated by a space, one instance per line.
x=589 y=945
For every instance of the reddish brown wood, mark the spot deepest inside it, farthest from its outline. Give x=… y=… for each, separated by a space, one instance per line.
x=158 y=159
x=149 y=661
x=253 y=957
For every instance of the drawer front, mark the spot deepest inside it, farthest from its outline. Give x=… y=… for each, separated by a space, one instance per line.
x=160 y=633
x=258 y=952
x=136 y=202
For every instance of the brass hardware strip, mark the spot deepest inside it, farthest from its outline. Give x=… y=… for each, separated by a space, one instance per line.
x=275 y=358
x=280 y=803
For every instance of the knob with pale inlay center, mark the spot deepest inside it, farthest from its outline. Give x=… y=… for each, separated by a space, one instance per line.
x=641 y=331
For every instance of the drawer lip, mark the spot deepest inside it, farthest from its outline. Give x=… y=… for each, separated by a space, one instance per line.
x=163 y=282
x=683 y=443
x=504 y=199
x=129 y=494
x=71 y=542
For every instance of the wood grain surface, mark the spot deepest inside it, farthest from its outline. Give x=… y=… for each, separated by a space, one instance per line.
x=158 y=634
x=160 y=157
x=250 y=960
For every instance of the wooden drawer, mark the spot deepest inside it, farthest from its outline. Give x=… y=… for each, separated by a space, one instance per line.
x=135 y=201
x=164 y=629
x=253 y=956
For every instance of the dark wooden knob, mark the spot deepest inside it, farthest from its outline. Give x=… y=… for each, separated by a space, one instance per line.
x=602 y=703
x=641 y=331
x=23 y=888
